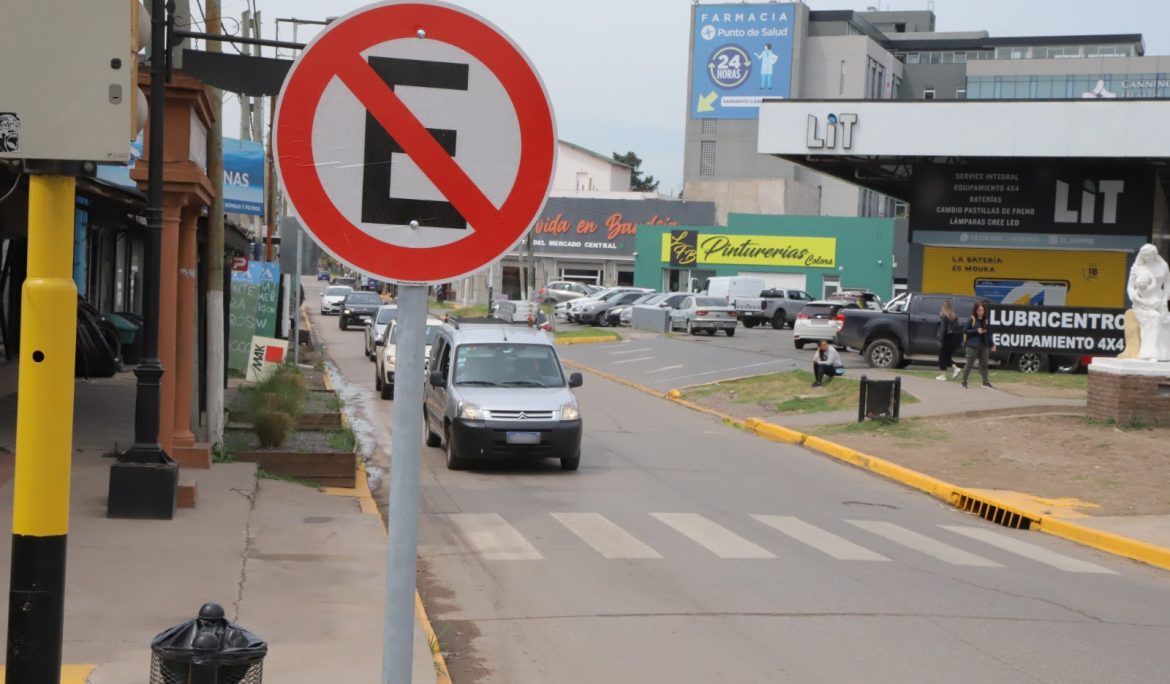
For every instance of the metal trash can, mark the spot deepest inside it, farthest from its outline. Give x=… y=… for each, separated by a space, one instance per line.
x=207 y=650
x=880 y=399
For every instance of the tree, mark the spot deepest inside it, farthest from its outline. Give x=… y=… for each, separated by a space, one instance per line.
x=637 y=182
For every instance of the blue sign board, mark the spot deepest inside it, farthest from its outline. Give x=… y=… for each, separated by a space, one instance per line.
x=740 y=54
x=243 y=175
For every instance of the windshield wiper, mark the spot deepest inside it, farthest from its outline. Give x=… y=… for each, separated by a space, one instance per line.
x=481 y=383
x=524 y=383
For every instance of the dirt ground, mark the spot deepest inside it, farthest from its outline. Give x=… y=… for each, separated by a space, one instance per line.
x=1051 y=456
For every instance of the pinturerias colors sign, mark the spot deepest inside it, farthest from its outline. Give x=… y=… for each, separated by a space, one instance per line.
x=692 y=248
x=740 y=54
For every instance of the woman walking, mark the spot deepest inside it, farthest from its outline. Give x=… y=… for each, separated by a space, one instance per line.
x=826 y=360
x=949 y=338
x=979 y=343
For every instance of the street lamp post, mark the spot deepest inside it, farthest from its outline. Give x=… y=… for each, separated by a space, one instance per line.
x=144 y=481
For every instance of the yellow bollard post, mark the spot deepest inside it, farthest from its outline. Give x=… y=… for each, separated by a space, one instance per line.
x=44 y=436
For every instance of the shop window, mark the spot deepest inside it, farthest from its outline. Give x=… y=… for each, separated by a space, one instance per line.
x=625 y=278
x=707 y=158
x=928 y=93
x=581 y=275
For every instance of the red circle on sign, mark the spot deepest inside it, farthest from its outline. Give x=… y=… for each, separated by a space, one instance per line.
x=336 y=53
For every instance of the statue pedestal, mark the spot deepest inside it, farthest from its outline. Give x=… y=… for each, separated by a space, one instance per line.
x=1130 y=391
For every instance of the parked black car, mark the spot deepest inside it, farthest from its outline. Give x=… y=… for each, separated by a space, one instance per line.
x=358 y=309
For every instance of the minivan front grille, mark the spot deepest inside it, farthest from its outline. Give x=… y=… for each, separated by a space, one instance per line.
x=520 y=415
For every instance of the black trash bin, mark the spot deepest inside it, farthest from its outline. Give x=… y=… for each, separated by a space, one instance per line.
x=880 y=399
x=207 y=650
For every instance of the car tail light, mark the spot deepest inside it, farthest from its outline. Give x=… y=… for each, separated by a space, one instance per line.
x=802 y=316
x=840 y=321
x=701 y=313
x=1086 y=360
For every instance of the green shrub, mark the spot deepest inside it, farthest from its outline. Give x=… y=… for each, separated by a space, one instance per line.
x=273 y=427
x=285 y=390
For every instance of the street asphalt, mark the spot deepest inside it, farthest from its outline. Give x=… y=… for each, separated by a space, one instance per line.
x=688 y=551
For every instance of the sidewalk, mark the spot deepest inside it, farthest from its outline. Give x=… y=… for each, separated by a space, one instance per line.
x=303 y=570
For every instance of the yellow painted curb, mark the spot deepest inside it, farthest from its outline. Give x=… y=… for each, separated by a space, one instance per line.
x=420 y=614
x=1107 y=541
x=586 y=340
x=776 y=433
x=70 y=674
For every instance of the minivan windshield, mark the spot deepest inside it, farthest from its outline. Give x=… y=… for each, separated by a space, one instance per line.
x=502 y=364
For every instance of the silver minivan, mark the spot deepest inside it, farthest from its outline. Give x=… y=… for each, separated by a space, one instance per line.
x=498 y=391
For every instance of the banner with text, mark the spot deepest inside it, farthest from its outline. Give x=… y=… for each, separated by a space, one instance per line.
x=692 y=248
x=1047 y=198
x=1097 y=332
x=254 y=297
x=740 y=54
x=606 y=227
x=1027 y=276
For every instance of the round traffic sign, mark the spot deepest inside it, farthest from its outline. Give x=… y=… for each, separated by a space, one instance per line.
x=415 y=141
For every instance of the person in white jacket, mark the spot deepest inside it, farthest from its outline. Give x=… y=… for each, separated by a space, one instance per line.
x=825 y=363
x=768 y=60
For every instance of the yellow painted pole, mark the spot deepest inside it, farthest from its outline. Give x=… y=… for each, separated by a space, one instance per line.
x=44 y=436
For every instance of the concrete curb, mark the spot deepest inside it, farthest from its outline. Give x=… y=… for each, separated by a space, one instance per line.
x=70 y=674
x=587 y=340
x=1115 y=544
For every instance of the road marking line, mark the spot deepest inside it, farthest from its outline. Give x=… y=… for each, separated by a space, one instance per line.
x=924 y=544
x=629 y=351
x=717 y=539
x=723 y=370
x=492 y=537
x=663 y=370
x=640 y=358
x=1031 y=551
x=604 y=536
x=837 y=547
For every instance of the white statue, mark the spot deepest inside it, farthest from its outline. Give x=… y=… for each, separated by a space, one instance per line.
x=1148 y=289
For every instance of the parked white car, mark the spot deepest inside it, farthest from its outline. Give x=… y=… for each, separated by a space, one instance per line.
x=819 y=320
x=332 y=298
x=387 y=360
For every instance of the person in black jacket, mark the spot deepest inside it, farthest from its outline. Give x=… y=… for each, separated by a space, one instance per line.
x=978 y=344
x=950 y=336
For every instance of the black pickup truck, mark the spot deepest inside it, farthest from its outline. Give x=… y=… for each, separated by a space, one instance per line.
x=908 y=326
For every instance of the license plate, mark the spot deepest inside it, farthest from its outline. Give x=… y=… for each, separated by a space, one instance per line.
x=523 y=438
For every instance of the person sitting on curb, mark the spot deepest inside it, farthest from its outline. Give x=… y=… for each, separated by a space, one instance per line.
x=826 y=361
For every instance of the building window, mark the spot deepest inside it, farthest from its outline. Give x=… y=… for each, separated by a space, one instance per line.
x=710 y=126
x=913 y=57
x=928 y=93
x=960 y=93
x=707 y=158
x=960 y=57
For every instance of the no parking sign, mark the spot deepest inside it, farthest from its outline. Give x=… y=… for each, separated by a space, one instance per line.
x=406 y=112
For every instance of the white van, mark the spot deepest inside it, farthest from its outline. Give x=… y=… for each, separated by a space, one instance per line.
x=731 y=287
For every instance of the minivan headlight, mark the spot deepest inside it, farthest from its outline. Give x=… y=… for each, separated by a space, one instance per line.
x=570 y=412
x=470 y=411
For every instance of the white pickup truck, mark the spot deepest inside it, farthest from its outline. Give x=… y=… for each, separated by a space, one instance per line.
x=755 y=304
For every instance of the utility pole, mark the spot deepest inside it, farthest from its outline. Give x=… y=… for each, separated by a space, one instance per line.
x=216 y=334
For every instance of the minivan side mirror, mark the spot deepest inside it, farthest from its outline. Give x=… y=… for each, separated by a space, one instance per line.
x=437 y=379
x=575 y=380
x=379 y=342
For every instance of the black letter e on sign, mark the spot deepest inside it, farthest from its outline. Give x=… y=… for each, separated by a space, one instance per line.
x=377 y=205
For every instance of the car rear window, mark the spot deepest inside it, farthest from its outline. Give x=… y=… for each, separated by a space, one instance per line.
x=387 y=315
x=821 y=310
x=363 y=298
x=710 y=301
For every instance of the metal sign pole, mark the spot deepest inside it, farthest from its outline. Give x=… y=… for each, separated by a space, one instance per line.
x=296 y=307
x=405 y=467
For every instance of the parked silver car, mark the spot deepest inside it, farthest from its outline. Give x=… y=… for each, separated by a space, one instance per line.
x=499 y=391
x=667 y=300
x=708 y=314
x=562 y=291
x=382 y=318
x=819 y=320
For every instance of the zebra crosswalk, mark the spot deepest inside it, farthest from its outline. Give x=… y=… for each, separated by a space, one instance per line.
x=658 y=535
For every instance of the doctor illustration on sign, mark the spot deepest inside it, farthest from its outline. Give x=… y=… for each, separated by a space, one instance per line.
x=767 y=60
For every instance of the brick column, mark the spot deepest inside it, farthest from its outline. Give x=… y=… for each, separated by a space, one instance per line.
x=185 y=325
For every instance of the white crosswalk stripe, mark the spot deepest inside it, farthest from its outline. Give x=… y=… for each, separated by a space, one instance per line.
x=628 y=351
x=604 y=536
x=924 y=544
x=1021 y=548
x=634 y=360
x=827 y=542
x=493 y=538
x=715 y=538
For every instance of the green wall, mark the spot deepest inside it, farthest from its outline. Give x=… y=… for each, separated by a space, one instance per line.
x=861 y=244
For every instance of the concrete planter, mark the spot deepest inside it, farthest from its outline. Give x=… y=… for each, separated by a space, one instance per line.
x=325 y=468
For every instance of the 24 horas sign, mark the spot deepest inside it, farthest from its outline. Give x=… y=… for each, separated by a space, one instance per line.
x=693 y=248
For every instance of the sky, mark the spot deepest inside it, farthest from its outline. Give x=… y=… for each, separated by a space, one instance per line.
x=616 y=70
